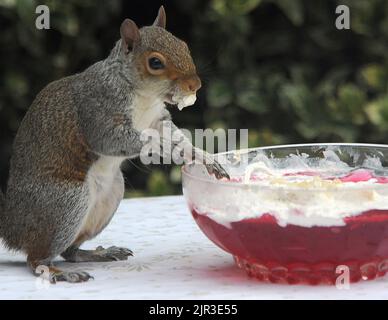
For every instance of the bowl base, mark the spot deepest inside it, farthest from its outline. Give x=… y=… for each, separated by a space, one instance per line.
x=314 y=274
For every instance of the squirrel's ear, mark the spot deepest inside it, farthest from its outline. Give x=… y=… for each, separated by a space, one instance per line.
x=129 y=34
x=160 y=20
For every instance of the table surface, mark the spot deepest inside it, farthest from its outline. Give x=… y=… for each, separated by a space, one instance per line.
x=172 y=260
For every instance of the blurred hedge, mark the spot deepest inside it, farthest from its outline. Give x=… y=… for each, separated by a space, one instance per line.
x=277 y=67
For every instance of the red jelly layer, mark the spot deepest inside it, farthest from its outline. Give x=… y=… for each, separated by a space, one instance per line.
x=295 y=254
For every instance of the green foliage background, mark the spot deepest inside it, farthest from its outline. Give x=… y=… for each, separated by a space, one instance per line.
x=277 y=67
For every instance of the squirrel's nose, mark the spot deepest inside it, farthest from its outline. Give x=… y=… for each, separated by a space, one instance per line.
x=191 y=84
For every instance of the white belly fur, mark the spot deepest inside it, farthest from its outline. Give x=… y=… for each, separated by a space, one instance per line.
x=105 y=185
x=104 y=180
x=146 y=111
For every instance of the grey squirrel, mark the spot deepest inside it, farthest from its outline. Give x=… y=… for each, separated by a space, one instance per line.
x=65 y=181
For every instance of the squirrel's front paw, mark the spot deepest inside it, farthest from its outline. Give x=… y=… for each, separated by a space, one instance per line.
x=216 y=169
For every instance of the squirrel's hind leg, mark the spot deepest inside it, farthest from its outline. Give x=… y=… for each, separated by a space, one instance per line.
x=96 y=220
x=45 y=269
x=74 y=254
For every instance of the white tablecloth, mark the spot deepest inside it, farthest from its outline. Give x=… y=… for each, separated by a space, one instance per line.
x=172 y=260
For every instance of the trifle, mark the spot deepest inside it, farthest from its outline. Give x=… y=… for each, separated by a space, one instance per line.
x=298 y=213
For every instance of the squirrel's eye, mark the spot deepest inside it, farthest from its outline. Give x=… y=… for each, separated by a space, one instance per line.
x=155 y=63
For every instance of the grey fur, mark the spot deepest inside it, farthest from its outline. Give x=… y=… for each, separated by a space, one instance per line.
x=72 y=123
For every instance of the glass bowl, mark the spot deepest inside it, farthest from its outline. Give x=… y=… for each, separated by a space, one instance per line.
x=309 y=214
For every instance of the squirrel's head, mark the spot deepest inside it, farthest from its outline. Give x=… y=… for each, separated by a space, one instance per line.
x=163 y=62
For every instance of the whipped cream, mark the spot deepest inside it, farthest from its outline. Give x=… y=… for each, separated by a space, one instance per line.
x=302 y=196
x=187 y=101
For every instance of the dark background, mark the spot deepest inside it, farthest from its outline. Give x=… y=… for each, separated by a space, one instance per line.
x=277 y=67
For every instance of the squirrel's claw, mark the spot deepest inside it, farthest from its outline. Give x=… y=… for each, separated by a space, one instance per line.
x=114 y=253
x=218 y=171
x=72 y=277
x=211 y=164
x=100 y=254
